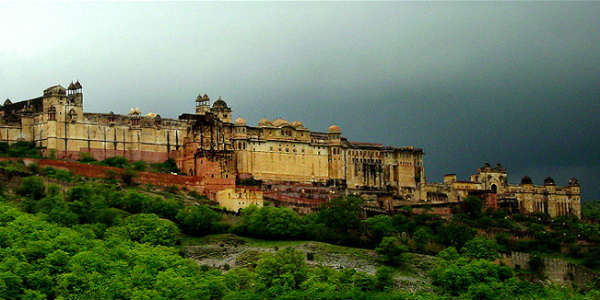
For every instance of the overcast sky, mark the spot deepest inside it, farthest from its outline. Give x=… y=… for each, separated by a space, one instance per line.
x=515 y=83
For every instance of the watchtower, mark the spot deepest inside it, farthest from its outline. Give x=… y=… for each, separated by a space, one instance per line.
x=202 y=104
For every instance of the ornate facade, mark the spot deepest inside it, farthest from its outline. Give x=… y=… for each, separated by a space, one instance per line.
x=208 y=143
x=491 y=184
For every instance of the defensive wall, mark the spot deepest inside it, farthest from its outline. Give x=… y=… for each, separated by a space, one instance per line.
x=202 y=184
x=554 y=269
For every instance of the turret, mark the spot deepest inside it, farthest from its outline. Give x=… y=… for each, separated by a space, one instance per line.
x=222 y=111
x=449 y=178
x=239 y=128
x=334 y=133
x=202 y=104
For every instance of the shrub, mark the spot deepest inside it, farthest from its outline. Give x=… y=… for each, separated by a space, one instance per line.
x=473 y=206
x=536 y=264
x=63 y=215
x=115 y=161
x=592 y=258
x=379 y=226
x=128 y=175
x=449 y=254
x=58 y=174
x=168 y=166
x=86 y=157
x=392 y=249
x=481 y=248
x=455 y=234
x=32 y=187
x=132 y=202
x=456 y=277
x=384 y=277
x=34 y=168
x=286 y=268
x=19 y=149
x=165 y=208
x=270 y=222
x=172 y=189
x=198 y=220
x=139 y=165
x=422 y=237
x=149 y=228
x=111 y=216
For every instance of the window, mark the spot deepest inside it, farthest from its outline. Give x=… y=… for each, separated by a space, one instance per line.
x=52 y=114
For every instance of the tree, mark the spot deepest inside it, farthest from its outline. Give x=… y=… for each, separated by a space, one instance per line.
x=455 y=234
x=149 y=228
x=286 y=269
x=456 y=277
x=270 y=222
x=449 y=254
x=115 y=161
x=481 y=248
x=473 y=206
x=32 y=187
x=422 y=237
x=392 y=249
x=536 y=264
x=384 y=277
x=198 y=220
x=342 y=217
x=342 y=214
x=139 y=165
x=128 y=175
x=379 y=226
x=592 y=258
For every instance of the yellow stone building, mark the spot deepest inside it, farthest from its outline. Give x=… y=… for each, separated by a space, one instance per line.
x=208 y=143
x=235 y=199
x=491 y=183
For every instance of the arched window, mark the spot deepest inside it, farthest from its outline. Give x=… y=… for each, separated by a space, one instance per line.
x=72 y=115
x=52 y=113
x=494 y=188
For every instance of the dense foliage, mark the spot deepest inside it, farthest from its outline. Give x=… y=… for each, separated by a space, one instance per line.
x=19 y=149
x=168 y=166
x=96 y=240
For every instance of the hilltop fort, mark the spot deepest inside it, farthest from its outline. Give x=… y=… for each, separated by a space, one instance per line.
x=298 y=168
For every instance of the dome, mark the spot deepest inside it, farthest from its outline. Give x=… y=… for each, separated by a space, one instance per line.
x=264 y=122
x=573 y=182
x=526 y=180
x=151 y=115
x=280 y=122
x=240 y=121
x=548 y=181
x=220 y=103
x=135 y=111
x=55 y=89
x=334 y=129
x=202 y=98
x=297 y=124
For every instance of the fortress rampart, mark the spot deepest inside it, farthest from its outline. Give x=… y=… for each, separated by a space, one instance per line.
x=208 y=144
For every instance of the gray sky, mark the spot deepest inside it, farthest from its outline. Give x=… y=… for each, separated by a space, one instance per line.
x=515 y=83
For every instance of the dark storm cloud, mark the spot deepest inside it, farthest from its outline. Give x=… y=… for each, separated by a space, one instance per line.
x=516 y=83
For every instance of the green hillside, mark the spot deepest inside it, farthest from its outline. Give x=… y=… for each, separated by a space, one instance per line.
x=68 y=237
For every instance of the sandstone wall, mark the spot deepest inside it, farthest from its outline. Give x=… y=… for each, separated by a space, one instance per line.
x=556 y=270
